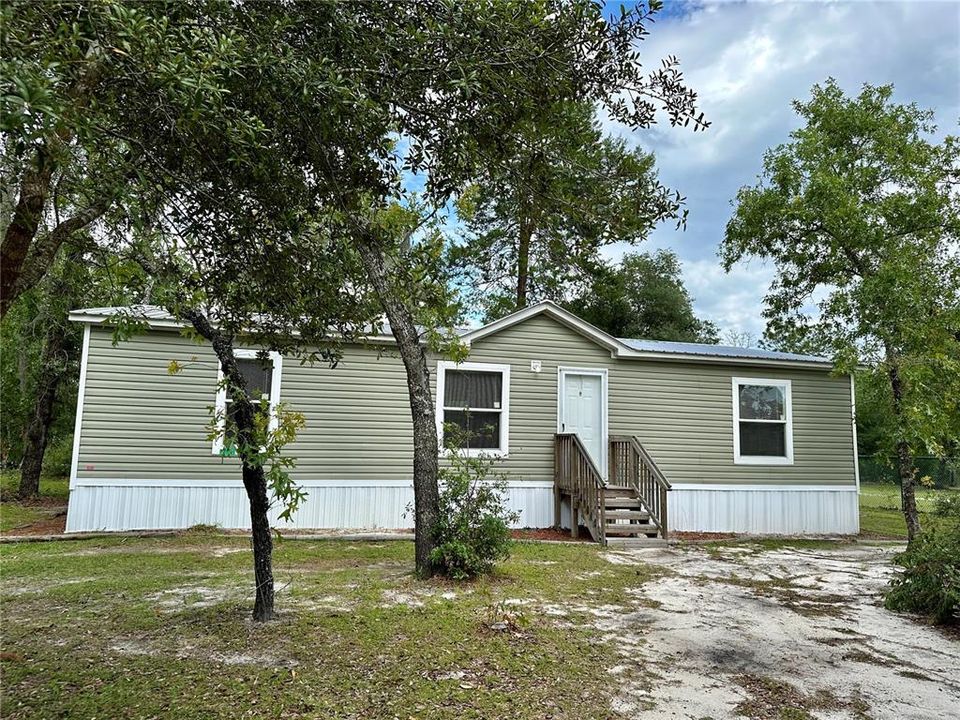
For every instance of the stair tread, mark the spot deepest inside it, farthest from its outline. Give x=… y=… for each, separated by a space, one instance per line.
x=622 y=503
x=637 y=541
x=630 y=529
x=625 y=514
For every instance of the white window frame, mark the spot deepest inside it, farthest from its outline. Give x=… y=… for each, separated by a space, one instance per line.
x=220 y=406
x=504 y=409
x=787 y=459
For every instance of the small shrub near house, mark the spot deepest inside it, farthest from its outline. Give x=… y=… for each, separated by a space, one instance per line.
x=929 y=583
x=472 y=533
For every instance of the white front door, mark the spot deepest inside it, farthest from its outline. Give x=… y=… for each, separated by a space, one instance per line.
x=582 y=406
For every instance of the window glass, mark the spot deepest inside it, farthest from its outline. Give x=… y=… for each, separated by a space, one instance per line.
x=258 y=380
x=257 y=376
x=763 y=439
x=762 y=402
x=479 y=430
x=472 y=389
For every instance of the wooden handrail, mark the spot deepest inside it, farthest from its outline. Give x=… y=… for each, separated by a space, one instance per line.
x=577 y=474
x=631 y=464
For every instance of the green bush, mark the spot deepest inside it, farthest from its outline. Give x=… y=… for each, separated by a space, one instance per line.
x=58 y=456
x=472 y=532
x=929 y=583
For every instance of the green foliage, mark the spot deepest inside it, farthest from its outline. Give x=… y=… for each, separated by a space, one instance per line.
x=76 y=278
x=22 y=339
x=472 y=532
x=536 y=222
x=643 y=297
x=859 y=214
x=59 y=454
x=929 y=583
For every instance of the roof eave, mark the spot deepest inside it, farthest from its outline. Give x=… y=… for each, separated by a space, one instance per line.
x=725 y=359
x=179 y=325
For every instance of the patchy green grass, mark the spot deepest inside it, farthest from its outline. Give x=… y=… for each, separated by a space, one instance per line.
x=880 y=512
x=159 y=627
x=771 y=699
x=15 y=514
x=53 y=487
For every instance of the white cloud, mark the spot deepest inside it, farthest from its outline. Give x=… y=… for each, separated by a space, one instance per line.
x=748 y=61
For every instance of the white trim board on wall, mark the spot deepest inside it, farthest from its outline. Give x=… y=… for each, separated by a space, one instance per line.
x=853 y=418
x=78 y=422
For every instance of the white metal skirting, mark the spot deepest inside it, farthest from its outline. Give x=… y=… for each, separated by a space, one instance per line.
x=142 y=505
x=765 y=511
x=114 y=505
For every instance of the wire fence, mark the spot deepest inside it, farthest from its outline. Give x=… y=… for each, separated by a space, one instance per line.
x=932 y=472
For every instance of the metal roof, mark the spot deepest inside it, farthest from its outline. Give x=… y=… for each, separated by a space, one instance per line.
x=159 y=315
x=146 y=312
x=620 y=347
x=682 y=348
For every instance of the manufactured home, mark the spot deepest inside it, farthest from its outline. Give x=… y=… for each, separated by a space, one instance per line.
x=628 y=436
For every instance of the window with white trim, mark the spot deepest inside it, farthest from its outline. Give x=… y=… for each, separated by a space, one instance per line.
x=261 y=377
x=473 y=407
x=762 y=422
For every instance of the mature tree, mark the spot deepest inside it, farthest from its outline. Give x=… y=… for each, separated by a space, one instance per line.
x=57 y=360
x=269 y=133
x=95 y=99
x=196 y=124
x=42 y=356
x=457 y=82
x=861 y=208
x=536 y=221
x=643 y=297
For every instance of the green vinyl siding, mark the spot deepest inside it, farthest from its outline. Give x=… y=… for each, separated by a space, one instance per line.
x=140 y=422
x=682 y=412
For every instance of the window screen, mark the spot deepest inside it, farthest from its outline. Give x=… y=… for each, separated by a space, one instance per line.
x=257 y=376
x=473 y=401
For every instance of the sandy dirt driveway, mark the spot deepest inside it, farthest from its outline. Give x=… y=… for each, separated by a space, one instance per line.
x=791 y=633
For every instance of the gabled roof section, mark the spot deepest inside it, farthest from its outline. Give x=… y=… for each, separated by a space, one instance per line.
x=631 y=348
x=565 y=317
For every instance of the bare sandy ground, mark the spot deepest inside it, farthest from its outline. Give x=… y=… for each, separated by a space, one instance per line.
x=787 y=633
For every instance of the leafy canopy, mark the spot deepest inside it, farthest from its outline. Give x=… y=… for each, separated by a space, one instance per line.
x=643 y=297
x=535 y=223
x=860 y=215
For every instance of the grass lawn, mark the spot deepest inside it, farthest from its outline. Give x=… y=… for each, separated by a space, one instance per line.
x=158 y=627
x=880 y=512
x=14 y=514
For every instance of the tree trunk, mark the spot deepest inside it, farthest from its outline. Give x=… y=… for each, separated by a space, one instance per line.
x=38 y=429
x=254 y=478
x=523 y=261
x=426 y=494
x=255 y=483
x=18 y=242
x=905 y=466
x=27 y=215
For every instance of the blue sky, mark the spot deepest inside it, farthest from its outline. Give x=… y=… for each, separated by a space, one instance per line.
x=747 y=61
